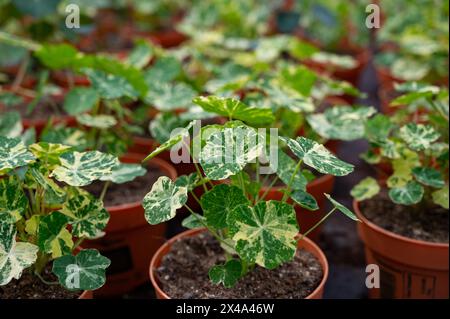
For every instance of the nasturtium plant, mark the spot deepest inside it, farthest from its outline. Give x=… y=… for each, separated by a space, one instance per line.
x=413 y=144
x=251 y=230
x=45 y=216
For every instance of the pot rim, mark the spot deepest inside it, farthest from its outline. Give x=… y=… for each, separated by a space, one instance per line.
x=165 y=167
x=191 y=232
x=393 y=235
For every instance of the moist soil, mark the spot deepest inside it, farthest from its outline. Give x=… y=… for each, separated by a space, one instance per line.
x=429 y=224
x=184 y=273
x=30 y=286
x=131 y=192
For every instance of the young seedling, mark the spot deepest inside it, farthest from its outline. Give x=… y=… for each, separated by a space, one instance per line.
x=251 y=230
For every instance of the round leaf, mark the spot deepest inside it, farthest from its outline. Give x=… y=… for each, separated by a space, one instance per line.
x=13 y=153
x=365 y=189
x=80 y=100
x=429 y=176
x=227 y=274
x=409 y=194
x=418 y=136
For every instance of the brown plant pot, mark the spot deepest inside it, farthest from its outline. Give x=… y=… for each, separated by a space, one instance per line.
x=409 y=268
x=166 y=38
x=164 y=249
x=87 y=294
x=305 y=218
x=130 y=241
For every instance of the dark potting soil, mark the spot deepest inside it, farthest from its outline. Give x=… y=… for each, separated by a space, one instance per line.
x=134 y=191
x=30 y=286
x=184 y=274
x=430 y=225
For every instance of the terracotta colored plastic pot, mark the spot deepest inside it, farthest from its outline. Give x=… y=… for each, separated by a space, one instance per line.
x=87 y=294
x=166 y=39
x=409 y=268
x=130 y=241
x=306 y=244
x=307 y=219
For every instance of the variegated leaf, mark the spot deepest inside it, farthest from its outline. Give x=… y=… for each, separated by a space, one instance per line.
x=218 y=203
x=163 y=124
x=227 y=274
x=86 y=214
x=81 y=169
x=101 y=121
x=70 y=136
x=229 y=150
x=13 y=154
x=194 y=221
x=418 y=136
x=402 y=168
x=304 y=199
x=189 y=181
x=168 y=96
x=408 y=194
x=54 y=195
x=124 y=173
x=85 y=271
x=235 y=109
x=429 y=176
x=163 y=200
x=344 y=210
x=285 y=169
x=110 y=86
x=11 y=124
x=365 y=189
x=285 y=97
x=53 y=236
x=342 y=61
x=49 y=153
x=440 y=197
x=317 y=156
x=264 y=234
x=80 y=100
x=13 y=201
x=341 y=122
x=14 y=256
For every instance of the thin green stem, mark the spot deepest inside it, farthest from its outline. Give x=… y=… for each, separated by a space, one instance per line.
x=291 y=180
x=317 y=224
x=105 y=188
x=268 y=188
x=50 y=283
x=195 y=197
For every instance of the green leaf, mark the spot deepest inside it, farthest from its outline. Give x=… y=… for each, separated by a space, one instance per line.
x=49 y=153
x=304 y=199
x=13 y=201
x=164 y=70
x=169 y=97
x=175 y=139
x=342 y=61
x=59 y=56
x=14 y=256
x=86 y=214
x=285 y=97
x=141 y=55
x=227 y=274
x=418 y=136
x=189 y=181
x=409 y=194
x=13 y=154
x=264 y=234
x=341 y=122
x=163 y=200
x=218 y=203
x=402 y=168
x=365 y=189
x=440 y=197
x=110 y=86
x=344 y=210
x=54 y=195
x=85 y=271
x=229 y=150
x=317 y=156
x=101 y=121
x=124 y=173
x=429 y=176
x=11 y=124
x=81 y=169
x=234 y=109
x=193 y=221
x=285 y=169
x=36 y=8
x=53 y=236
x=67 y=136
x=163 y=124
x=378 y=128
x=80 y=100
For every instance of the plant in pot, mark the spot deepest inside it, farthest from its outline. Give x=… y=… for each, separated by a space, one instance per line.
x=404 y=213
x=44 y=218
x=241 y=239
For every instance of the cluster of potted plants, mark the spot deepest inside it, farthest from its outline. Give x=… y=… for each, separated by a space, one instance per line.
x=230 y=115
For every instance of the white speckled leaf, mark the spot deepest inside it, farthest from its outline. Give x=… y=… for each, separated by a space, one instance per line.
x=440 y=197
x=86 y=214
x=110 y=86
x=98 y=121
x=10 y=124
x=228 y=151
x=163 y=124
x=227 y=274
x=317 y=156
x=85 y=271
x=304 y=199
x=79 y=100
x=235 y=109
x=409 y=194
x=188 y=181
x=264 y=234
x=365 y=189
x=218 y=203
x=81 y=169
x=429 y=176
x=344 y=210
x=418 y=136
x=54 y=194
x=285 y=169
x=13 y=201
x=168 y=96
x=14 y=256
x=163 y=200
x=49 y=153
x=124 y=173
x=53 y=237
x=13 y=154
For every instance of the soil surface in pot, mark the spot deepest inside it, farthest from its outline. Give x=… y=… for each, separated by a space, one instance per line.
x=184 y=273
x=430 y=225
x=31 y=287
x=131 y=192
